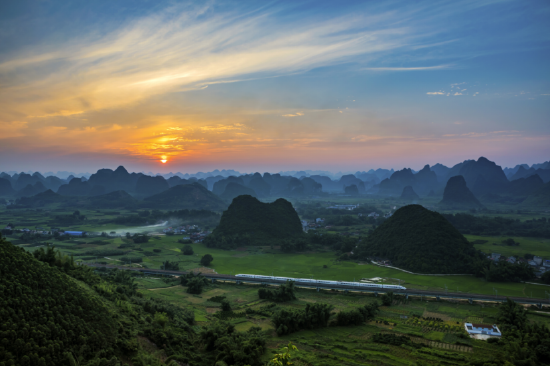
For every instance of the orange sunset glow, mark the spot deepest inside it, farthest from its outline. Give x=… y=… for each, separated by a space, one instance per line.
x=345 y=91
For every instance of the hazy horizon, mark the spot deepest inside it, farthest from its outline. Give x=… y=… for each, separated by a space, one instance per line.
x=175 y=171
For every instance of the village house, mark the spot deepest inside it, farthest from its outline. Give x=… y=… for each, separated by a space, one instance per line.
x=538 y=260
x=485 y=329
x=494 y=256
x=344 y=207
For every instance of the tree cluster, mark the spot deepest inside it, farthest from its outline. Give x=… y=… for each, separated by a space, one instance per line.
x=170 y=266
x=194 y=282
x=314 y=316
x=502 y=271
x=220 y=342
x=45 y=315
x=524 y=343
x=285 y=292
x=357 y=316
x=496 y=226
x=394 y=340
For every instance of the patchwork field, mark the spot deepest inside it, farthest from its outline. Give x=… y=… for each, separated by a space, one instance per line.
x=351 y=345
x=268 y=261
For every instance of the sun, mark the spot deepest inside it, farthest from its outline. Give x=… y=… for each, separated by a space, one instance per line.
x=163 y=159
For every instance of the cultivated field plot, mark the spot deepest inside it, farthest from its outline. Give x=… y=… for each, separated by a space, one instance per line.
x=270 y=261
x=438 y=341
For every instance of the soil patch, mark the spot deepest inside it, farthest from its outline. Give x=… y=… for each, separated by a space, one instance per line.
x=212 y=310
x=163 y=288
x=203 y=270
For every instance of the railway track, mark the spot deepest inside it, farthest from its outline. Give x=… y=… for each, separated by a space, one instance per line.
x=408 y=292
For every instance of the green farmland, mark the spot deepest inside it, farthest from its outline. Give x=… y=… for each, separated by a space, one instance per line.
x=267 y=261
x=351 y=344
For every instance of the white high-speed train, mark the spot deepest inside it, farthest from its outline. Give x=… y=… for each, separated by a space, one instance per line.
x=322 y=282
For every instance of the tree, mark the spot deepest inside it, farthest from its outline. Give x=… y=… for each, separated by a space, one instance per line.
x=546 y=277
x=387 y=299
x=171 y=266
x=206 y=260
x=510 y=242
x=187 y=250
x=226 y=306
x=283 y=358
x=512 y=315
x=161 y=319
x=194 y=283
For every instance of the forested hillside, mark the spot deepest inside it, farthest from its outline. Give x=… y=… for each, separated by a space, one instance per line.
x=54 y=312
x=46 y=316
x=248 y=221
x=420 y=240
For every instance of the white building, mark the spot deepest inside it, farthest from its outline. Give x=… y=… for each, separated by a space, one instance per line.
x=486 y=329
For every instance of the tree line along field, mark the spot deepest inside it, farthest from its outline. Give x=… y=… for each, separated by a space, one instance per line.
x=441 y=329
x=266 y=261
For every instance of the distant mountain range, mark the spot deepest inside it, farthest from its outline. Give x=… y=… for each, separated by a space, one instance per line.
x=484 y=180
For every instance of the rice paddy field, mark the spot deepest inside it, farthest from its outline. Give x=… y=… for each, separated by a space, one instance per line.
x=439 y=342
x=318 y=263
x=271 y=261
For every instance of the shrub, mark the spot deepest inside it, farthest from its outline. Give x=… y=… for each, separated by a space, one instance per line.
x=206 y=260
x=226 y=306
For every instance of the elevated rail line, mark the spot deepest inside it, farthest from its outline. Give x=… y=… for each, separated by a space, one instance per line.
x=346 y=288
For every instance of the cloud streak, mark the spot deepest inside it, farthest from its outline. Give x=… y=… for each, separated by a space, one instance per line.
x=183 y=49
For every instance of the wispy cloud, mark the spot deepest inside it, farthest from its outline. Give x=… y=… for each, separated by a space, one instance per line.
x=440 y=67
x=436 y=93
x=297 y=114
x=181 y=49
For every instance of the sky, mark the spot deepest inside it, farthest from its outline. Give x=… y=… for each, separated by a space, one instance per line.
x=272 y=85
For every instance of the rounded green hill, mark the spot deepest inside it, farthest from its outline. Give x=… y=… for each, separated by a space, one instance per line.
x=422 y=241
x=247 y=216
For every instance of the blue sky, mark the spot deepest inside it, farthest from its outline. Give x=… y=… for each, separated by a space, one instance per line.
x=272 y=86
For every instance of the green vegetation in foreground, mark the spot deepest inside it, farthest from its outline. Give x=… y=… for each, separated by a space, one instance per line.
x=154 y=324
x=404 y=333
x=57 y=313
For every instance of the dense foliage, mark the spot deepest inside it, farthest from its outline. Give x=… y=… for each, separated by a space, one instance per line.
x=45 y=315
x=285 y=292
x=187 y=250
x=288 y=321
x=420 y=240
x=206 y=259
x=394 y=339
x=357 y=316
x=502 y=271
x=524 y=343
x=495 y=226
x=257 y=221
x=222 y=343
x=194 y=282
